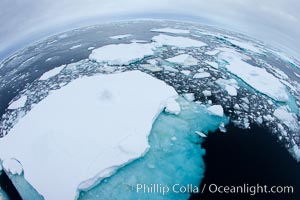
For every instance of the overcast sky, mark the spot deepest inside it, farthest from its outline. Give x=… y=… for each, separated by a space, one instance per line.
x=276 y=22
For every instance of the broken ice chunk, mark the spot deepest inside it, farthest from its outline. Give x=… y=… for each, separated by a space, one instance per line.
x=216 y=110
x=172 y=106
x=201 y=134
x=202 y=75
x=52 y=72
x=118 y=37
x=183 y=59
x=12 y=166
x=18 y=103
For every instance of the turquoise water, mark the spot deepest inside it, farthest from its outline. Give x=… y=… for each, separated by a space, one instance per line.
x=174 y=157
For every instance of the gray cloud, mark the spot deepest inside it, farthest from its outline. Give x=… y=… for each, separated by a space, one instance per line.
x=274 y=21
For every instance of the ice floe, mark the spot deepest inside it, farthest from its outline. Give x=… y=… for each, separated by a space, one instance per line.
x=189 y=96
x=51 y=72
x=118 y=37
x=206 y=93
x=114 y=54
x=186 y=72
x=12 y=166
x=183 y=59
x=177 y=41
x=256 y=77
x=172 y=106
x=115 y=126
x=202 y=75
x=201 y=134
x=171 y=30
x=18 y=103
x=75 y=46
x=216 y=110
x=246 y=45
x=288 y=118
x=212 y=64
x=230 y=86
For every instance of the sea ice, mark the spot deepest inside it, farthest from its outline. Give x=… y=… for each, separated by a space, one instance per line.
x=256 y=77
x=230 y=86
x=52 y=72
x=118 y=37
x=201 y=134
x=183 y=59
x=202 y=75
x=177 y=41
x=289 y=119
x=114 y=54
x=75 y=46
x=113 y=114
x=12 y=166
x=186 y=72
x=18 y=103
x=212 y=64
x=245 y=45
x=189 y=96
x=171 y=30
x=172 y=106
x=216 y=110
x=206 y=93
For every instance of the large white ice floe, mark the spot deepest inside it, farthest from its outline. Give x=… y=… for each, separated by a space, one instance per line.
x=183 y=59
x=52 y=72
x=177 y=41
x=256 y=77
x=73 y=139
x=171 y=30
x=122 y=54
x=18 y=103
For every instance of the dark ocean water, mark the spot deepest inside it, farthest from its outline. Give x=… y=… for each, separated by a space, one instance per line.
x=251 y=157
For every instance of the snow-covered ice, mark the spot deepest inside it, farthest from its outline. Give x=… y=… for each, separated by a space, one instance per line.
x=171 y=30
x=51 y=72
x=186 y=72
x=12 y=166
x=183 y=59
x=152 y=68
x=206 y=93
x=216 y=110
x=118 y=37
x=289 y=119
x=114 y=124
x=212 y=64
x=202 y=75
x=212 y=52
x=18 y=103
x=114 y=54
x=230 y=86
x=189 y=96
x=256 y=77
x=172 y=106
x=178 y=41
